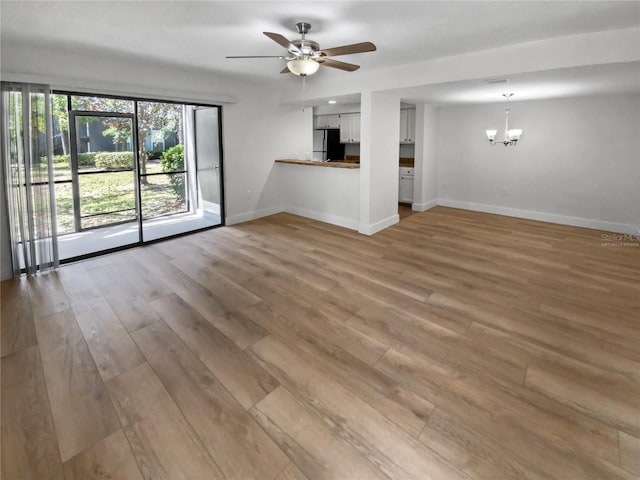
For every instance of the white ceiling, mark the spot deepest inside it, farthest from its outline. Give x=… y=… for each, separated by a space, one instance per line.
x=616 y=78
x=559 y=83
x=199 y=34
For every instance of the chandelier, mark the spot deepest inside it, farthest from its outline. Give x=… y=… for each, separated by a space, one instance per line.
x=511 y=136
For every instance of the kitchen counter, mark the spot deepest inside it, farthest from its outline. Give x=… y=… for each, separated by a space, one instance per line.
x=320 y=164
x=407 y=162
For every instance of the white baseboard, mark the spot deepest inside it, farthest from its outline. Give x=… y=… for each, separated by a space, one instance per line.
x=423 y=207
x=323 y=217
x=380 y=225
x=247 y=216
x=320 y=216
x=541 y=216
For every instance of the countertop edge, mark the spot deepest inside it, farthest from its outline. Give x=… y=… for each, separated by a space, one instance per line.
x=312 y=163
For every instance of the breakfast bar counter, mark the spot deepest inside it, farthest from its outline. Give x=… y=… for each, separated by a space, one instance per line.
x=330 y=194
x=313 y=163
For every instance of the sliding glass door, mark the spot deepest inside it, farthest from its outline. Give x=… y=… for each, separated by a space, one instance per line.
x=131 y=171
x=91 y=173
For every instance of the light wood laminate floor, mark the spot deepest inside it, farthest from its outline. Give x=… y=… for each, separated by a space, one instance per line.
x=405 y=211
x=454 y=345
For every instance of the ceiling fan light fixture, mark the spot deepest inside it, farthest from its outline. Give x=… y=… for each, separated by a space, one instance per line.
x=303 y=66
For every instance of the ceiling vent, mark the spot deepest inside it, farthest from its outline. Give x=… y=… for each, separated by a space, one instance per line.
x=494 y=81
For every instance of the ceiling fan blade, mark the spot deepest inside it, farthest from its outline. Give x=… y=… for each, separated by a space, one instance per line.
x=280 y=40
x=348 y=67
x=349 y=49
x=255 y=56
x=285 y=70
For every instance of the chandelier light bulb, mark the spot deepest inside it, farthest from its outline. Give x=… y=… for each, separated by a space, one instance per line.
x=514 y=134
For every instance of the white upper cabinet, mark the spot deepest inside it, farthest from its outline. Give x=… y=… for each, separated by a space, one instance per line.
x=408 y=126
x=355 y=126
x=326 y=121
x=350 y=128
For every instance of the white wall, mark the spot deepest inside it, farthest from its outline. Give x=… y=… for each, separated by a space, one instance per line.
x=578 y=161
x=257 y=132
x=323 y=193
x=379 y=154
x=425 y=185
x=336 y=108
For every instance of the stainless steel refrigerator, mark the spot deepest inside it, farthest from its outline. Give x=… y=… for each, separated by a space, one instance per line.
x=327 y=146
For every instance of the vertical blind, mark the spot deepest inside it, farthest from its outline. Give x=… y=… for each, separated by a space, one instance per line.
x=27 y=164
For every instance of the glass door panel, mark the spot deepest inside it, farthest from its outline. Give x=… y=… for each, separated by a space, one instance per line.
x=105 y=169
x=170 y=189
x=104 y=187
x=62 y=164
x=163 y=181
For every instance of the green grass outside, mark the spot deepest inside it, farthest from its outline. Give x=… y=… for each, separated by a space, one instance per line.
x=107 y=192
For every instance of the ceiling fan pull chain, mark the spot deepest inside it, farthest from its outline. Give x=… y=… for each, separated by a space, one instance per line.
x=304 y=83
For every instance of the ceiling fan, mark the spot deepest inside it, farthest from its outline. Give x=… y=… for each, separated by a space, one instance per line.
x=304 y=56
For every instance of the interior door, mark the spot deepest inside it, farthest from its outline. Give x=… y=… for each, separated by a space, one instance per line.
x=208 y=165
